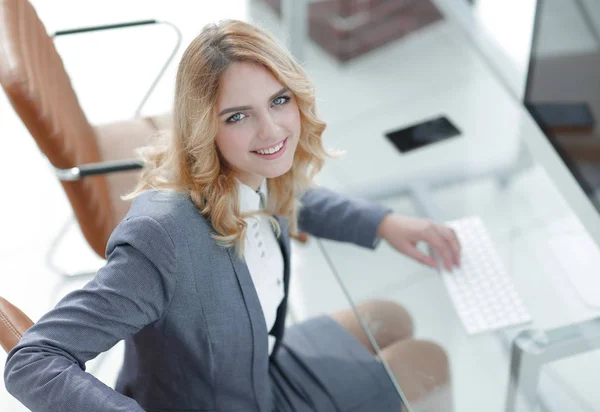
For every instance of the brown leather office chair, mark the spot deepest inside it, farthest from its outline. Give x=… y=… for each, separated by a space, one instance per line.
x=86 y=157
x=13 y=324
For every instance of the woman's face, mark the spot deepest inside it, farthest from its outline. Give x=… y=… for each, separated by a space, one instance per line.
x=259 y=123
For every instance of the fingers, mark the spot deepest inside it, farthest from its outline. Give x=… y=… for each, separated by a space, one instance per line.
x=451 y=239
x=419 y=256
x=437 y=242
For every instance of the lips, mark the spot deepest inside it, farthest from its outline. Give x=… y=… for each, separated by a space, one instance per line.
x=271 y=149
x=272 y=152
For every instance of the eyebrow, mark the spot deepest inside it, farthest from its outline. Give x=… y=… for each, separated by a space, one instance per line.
x=240 y=108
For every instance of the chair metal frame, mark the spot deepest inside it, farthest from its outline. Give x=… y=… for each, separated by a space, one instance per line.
x=102 y=168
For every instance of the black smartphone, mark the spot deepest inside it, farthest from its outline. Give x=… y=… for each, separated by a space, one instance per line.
x=422 y=134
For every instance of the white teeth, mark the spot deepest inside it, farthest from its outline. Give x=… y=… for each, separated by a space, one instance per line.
x=271 y=150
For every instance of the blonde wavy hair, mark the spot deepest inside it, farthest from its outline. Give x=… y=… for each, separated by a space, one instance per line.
x=187 y=160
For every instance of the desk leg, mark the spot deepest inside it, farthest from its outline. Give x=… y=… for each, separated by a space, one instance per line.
x=525 y=367
x=532 y=350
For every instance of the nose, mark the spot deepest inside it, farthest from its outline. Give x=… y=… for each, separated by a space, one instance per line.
x=268 y=128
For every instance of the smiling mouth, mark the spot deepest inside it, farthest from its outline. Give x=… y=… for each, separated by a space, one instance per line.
x=271 y=150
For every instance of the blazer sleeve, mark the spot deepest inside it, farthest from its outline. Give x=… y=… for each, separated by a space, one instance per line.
x=333 y=216
x=46 y=370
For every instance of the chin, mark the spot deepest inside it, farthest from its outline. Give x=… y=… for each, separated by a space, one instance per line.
x=277 y=171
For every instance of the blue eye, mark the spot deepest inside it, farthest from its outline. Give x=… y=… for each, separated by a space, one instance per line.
x=281 y=100
x=235 y=118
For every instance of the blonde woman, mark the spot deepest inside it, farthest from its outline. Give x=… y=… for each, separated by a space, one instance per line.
x=197 y=274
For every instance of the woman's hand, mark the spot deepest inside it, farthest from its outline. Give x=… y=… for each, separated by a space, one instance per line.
x=404 y=233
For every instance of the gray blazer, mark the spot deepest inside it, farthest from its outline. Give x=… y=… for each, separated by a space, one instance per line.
x=195 y=335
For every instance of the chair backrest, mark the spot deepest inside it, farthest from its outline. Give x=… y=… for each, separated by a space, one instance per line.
x=13 y=324
x=37 y=85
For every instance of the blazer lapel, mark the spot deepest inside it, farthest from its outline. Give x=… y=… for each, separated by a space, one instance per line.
x=258 y=326
x=284 y=240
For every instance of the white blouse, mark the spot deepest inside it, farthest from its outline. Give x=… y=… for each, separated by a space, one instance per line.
x=263 y=255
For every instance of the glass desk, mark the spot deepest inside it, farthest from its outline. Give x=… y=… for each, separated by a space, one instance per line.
x=496 y=171
x=502 y=169
x=553 y=369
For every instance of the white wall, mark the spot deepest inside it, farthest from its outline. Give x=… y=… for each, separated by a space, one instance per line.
x=510 y=22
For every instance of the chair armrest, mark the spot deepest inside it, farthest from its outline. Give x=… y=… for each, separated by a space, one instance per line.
x=104 y=27
x=101 y=168
x=138 y=23
x=13 y=324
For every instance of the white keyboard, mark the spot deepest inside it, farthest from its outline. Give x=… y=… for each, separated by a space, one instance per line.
x=483 y=294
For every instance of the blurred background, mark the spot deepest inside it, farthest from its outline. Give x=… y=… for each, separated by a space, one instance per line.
x=518 y=79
